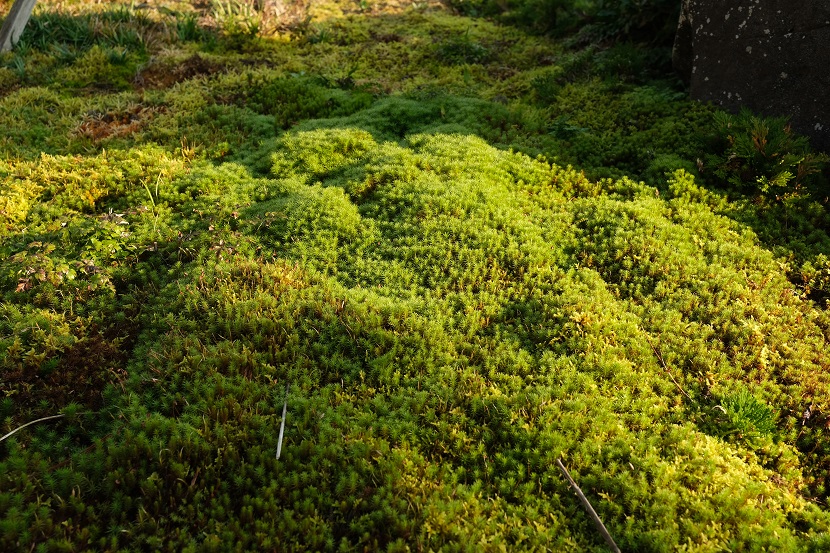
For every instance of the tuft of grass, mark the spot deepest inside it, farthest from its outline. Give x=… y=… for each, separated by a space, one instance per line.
x=746 y=417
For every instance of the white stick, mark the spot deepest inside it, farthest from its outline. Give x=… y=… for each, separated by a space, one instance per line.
x=282 y=424
x=28 y=423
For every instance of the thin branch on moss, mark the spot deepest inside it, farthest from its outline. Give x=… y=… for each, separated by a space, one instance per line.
x=587 y=504
x=282 y=424
x=667 y=371
x=30 y=423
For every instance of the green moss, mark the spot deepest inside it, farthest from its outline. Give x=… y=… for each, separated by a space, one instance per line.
x=431 y=232
x=100 y=68
x=295 y=99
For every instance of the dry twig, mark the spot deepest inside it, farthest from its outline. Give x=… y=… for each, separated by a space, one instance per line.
x=666 y=369
x=587 y=504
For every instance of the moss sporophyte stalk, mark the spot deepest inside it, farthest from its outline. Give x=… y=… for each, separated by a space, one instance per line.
x=472 y=243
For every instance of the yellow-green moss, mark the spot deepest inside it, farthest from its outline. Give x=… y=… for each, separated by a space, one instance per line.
x=434 y=229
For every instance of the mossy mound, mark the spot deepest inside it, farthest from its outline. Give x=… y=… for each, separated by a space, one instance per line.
x=456 y=275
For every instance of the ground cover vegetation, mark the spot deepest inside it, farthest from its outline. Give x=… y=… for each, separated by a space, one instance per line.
x=470 y=238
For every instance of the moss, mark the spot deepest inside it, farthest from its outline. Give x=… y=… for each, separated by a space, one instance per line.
x=432 y=229
x=100 y=68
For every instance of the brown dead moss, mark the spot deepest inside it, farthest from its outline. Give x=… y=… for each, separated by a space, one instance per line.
x=98 y=126
x=160 y=74
x=79 y=376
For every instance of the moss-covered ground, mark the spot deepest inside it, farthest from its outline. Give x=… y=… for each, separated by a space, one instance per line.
x=463 y=250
